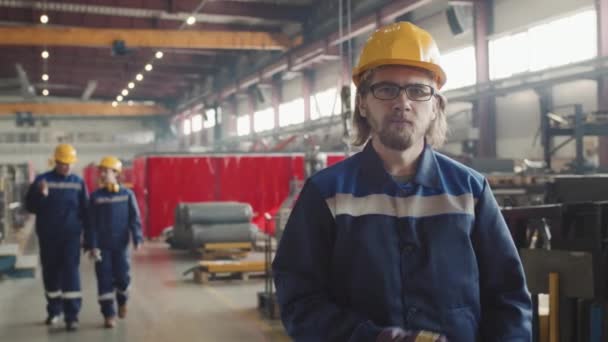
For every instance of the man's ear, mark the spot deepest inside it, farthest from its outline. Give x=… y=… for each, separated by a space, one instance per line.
x=435 y=107
x=362 y=106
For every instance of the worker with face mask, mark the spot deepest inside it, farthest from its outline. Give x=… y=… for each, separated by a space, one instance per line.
x=115 y=222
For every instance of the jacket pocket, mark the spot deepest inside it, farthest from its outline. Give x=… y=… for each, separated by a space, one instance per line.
x=460 y=325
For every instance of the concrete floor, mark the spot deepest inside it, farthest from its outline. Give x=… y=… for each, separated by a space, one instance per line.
x=164 y=306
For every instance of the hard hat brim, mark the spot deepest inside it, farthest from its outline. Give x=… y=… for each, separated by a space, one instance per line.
x=70 y=161
x=109 y=167
x=440 y=76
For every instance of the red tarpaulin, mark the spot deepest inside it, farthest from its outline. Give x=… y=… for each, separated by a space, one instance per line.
x=262 y=180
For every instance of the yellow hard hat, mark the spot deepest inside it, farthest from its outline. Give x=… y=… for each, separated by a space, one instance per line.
x=65 y=153
x=400 y=43
x=111 y=162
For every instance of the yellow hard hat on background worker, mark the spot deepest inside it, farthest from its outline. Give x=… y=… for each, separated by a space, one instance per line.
x=66 y=154
x=400 y=43
x=112 y=163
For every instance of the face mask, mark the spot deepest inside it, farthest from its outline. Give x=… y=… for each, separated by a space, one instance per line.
x=113 y=187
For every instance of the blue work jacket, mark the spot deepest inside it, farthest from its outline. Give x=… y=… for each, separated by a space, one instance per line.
x=61 y=214
x=115 y=220
x=362 y=252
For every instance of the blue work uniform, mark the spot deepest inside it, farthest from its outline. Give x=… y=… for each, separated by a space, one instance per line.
x=60 y=219
x=114 y=221
x=361 y=252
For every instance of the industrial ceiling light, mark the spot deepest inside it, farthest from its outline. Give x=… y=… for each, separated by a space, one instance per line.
x=119 y=98
x=191 y=20
x=148 y=67
x=45 y=92
x=159 y=54
x=125 y=92
x=139 y=77
x=131 y=85
x=114 y=103
x=44 y=18
x=45 y=54
x=45 y=77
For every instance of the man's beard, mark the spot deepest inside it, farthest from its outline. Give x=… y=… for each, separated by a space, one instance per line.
x=396 y=138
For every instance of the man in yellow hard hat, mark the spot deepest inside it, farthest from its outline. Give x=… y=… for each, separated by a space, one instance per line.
x=114 y=222
x=400 y=242
x=59 y=199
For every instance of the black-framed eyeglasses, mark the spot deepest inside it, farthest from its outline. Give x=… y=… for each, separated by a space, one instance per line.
x=390 y=91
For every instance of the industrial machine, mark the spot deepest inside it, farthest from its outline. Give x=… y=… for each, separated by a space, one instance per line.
x=575 y=126
x=14 y=181
x=564 y=250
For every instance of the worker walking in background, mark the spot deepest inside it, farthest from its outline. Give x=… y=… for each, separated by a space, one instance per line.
x=115 y=222
x=399 y=242
x=59 y=200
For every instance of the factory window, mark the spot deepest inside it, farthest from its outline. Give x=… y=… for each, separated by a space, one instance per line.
x=542 y=46
x=460 y=65
x=210 y=119
x=197 y=123
x=186 y=126
x=263 y=120
x=568 y=40
x=325 y=103
x=291 y=113
x=243 y=125
x=509 y=55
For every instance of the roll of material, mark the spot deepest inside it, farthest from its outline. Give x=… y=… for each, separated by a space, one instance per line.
x=217 y=212
x=218 y=233
x=196 y=224
x=181 y=235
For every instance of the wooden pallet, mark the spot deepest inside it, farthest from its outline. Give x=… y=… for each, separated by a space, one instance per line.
x=206 y=271
x=221 y=251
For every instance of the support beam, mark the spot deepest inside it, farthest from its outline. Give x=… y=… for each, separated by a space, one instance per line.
x=602 y=85
x=308 y=84
x=81 y=109
x=78 y=74
x=253 y=107
x=484 y=109
x=78 y=36
x=27 y=90
x=545 y=97
x=108 y=64
x=385 y=15
x=88 y=91
x=347 y=71
x=219 y=123
x=229 y=117
x=277 y=98
x=174 y=10
x=257 y=10
x=9 y=82
x=288 y=63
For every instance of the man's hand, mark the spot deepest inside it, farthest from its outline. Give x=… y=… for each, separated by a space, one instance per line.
x=95 y=254
x=44 y=188
x=393 y=334
x=397 y=334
